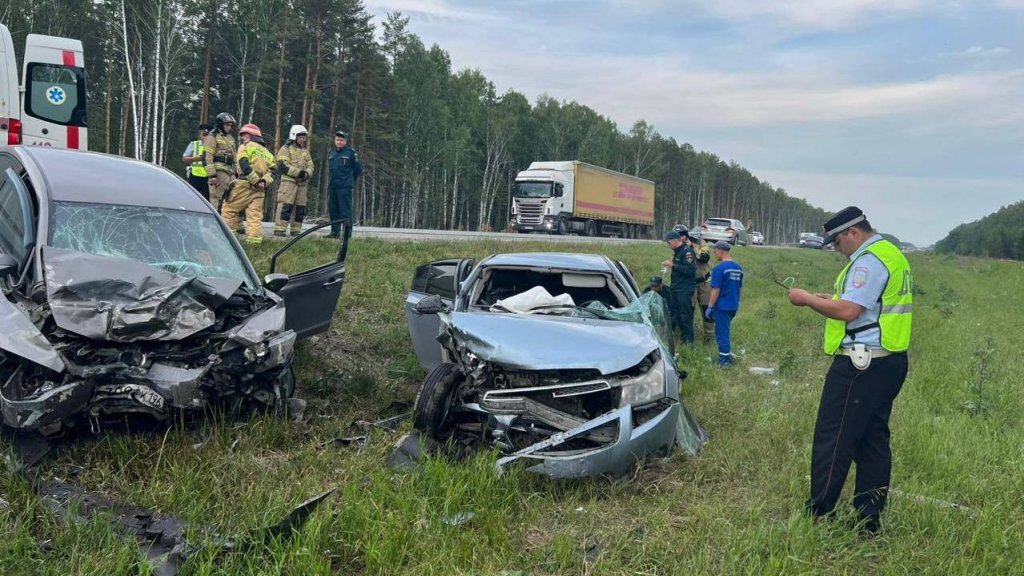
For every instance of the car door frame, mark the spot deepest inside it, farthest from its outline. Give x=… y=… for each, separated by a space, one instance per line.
x=29 y=238
x=424 y=328
x=310 y=317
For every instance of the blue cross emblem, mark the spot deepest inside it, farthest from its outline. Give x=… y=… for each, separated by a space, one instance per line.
x=56 y=95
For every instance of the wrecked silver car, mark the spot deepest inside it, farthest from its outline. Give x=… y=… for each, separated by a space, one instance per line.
x=555 y=359
x=124 y=293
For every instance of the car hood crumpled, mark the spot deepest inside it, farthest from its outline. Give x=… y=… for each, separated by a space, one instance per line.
x=526 y=342
x=119 y=300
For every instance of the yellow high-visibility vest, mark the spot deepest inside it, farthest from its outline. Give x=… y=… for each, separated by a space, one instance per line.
x=897 y=301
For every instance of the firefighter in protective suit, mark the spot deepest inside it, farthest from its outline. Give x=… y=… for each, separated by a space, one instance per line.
x=219 y=151
x=295 y=166
x=255 y=165
x=702 y=295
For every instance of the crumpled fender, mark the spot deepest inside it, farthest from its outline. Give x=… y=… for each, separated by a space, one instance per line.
x=19 y=336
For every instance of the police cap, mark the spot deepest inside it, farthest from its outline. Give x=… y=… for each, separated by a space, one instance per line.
x=341 y=133
x=656 y=281
x=672 y=235
x=841 y=221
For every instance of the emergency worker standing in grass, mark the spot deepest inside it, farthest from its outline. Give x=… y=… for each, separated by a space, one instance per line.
x=702 y=295
x=219 y=148
x=345 y=168
x=248 y=191
x=724 y=301
x=194 y=158
x=684 y=281
x=296 y=167
x=867 y=331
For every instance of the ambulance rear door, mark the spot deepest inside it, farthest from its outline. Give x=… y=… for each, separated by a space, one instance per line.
x=10 y=108
x=53 y=93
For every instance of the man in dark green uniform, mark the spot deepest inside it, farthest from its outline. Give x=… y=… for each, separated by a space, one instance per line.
x=684 y=281
x=345 y=168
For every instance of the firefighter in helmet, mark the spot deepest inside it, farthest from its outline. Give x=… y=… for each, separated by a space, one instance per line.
x=219 y=148
x=246 y=194
x=295 y=165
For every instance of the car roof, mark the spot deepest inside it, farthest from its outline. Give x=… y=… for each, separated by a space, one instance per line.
x=590 y=262
x=77 y=176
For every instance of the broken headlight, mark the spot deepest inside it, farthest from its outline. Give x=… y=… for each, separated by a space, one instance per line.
x=647 y=387
x=257 y=352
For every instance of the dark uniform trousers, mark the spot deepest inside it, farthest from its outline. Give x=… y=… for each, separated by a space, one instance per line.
x=682 y=309
x=853 y=426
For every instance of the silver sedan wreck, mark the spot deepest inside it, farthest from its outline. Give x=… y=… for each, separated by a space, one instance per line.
x=556 y=359
x=123 y=293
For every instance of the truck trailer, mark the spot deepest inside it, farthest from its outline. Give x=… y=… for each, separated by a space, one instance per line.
x=576 y=197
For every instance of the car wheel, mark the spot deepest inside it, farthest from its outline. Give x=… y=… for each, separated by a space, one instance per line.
x=434 y=400
x=562 y=227
x=590 y=229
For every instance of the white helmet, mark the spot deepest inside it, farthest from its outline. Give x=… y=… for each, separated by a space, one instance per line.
x=296 y=131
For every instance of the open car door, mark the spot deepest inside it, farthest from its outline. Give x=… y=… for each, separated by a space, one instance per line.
x=311 y=297
x=442 y=278
x=53 y=102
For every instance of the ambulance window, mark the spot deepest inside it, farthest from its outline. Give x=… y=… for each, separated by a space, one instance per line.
x=56 y=93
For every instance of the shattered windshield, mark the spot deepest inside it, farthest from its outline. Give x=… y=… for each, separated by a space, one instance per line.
x=189 y=244
x=649 y=309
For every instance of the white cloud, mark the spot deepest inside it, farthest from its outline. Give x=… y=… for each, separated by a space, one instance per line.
x=430 y=8
x=981 y=52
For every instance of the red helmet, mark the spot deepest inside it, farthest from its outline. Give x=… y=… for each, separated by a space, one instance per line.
x=252 y=130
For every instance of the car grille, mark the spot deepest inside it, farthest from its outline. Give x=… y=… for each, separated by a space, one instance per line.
x=530 y=211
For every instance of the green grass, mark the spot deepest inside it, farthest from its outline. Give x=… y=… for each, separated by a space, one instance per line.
x=734 y=510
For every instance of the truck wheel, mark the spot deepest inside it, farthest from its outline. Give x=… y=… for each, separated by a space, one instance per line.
x=590 y=229
x=562 y=227
x=434 y=400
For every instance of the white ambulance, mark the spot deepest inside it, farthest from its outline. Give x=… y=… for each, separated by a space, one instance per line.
x=47 y=108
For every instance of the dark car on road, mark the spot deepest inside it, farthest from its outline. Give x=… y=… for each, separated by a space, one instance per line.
x=811 y=240
x=124 y=293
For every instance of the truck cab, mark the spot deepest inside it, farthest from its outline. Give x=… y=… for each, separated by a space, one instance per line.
x=542 y=194
x=46 y=105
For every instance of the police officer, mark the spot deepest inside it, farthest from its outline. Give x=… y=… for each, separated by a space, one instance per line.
x=684 y=281
x=702 y=295
x=344 y=167
x=867 y=331
x=219 y=147
x=194 y=158
x=296 y=168
x=255 y=165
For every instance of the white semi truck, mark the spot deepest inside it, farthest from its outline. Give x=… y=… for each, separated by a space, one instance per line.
x=47 y=106
x=576 y=197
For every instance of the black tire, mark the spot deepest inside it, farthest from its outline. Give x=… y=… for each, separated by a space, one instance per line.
x=562 y=227
x=434 y=399
x=590 y=229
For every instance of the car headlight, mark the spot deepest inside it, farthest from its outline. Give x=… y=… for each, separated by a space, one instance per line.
x=646 y=388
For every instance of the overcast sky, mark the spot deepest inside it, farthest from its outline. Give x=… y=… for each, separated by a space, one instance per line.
x=911 y=109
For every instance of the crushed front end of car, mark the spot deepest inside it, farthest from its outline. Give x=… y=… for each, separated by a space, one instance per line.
x=574 y=396
x=102 y=338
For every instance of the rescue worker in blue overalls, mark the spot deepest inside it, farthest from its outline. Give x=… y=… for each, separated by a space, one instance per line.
x=345 y=168
x=867 y=331
x=684 y=281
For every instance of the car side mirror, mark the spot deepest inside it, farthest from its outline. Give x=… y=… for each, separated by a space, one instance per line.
x=8 y=265
x=275 y=281
x=431 y=305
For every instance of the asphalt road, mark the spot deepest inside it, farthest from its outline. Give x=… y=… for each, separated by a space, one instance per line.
x=457 y=235
x=416 y=235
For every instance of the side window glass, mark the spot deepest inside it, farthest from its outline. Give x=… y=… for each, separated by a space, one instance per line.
x=16 y=232
x=437 y=278
x=56 y=93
